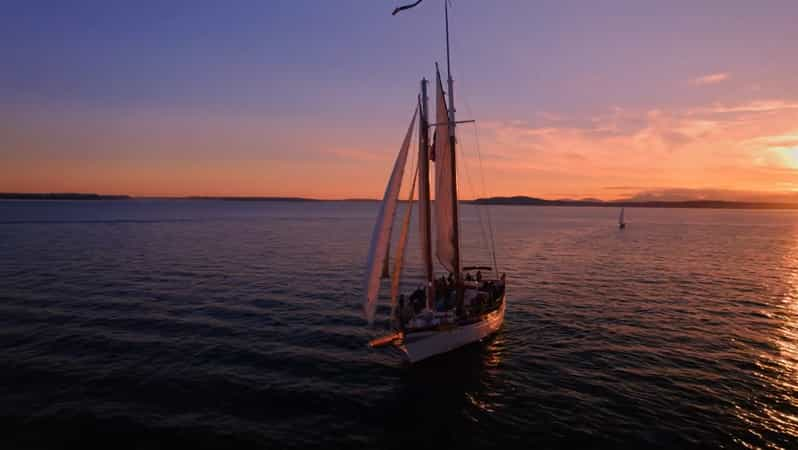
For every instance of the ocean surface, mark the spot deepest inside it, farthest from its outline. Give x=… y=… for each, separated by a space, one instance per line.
x=167 y=323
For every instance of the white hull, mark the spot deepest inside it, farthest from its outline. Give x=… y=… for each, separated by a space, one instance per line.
x=424 y=344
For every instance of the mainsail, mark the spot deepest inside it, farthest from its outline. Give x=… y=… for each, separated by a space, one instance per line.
x=381 y=236
x=446 y=245
x=620 y=218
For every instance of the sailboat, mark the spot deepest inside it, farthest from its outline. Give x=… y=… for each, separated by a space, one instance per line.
x=621 y=223
x=465 y=304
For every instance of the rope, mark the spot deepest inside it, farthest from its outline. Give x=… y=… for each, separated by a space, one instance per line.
x=487 y=208
x=473 y=193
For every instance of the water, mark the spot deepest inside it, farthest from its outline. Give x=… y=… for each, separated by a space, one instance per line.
x=153 y=324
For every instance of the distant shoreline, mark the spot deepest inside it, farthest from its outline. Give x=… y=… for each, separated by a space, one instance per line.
x=92 y=196
x=509 y=201
x=695 y=204
x=60 y=196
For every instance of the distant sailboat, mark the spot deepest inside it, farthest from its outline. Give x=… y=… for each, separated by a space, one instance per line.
x=621 y=223
x=450 y=311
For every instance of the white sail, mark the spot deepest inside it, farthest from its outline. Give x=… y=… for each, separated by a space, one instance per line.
x=620 y=219
x=381 y=236
x=444 y=185
x=400 y=248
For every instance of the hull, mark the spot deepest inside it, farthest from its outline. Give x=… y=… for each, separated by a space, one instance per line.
x=424 y=344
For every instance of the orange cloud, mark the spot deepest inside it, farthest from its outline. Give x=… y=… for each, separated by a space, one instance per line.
x=745 y=147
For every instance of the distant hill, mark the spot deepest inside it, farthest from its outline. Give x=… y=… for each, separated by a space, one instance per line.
x=60 y=196
x=718 y=204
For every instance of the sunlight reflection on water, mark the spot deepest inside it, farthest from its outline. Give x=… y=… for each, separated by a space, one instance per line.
x=778 y=372
x=786 y=381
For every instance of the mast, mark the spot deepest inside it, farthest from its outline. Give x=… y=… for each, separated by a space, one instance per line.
x=452 y=142
x=424 y=196
x=449 y=70
x=453 y=266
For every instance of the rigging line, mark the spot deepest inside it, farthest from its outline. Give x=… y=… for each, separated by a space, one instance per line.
x=487 y=207
x=484 y=208
x=464 y=96
x=486 y=233
x=473 y=191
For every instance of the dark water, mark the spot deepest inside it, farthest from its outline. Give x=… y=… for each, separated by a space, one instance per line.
x=156 y=324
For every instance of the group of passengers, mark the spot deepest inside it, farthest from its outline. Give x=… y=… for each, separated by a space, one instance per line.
x=445 y=288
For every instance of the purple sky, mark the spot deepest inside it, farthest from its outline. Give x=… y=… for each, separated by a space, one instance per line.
x=200 y=97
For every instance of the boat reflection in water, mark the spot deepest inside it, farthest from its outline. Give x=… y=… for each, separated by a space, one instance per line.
x=442 y=398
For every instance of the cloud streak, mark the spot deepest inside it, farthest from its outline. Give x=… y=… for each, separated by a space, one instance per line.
x=712 y=78
x=756 y=106
x=681 y=194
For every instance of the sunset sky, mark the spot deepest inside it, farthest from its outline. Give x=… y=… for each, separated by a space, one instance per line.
x=611 y=99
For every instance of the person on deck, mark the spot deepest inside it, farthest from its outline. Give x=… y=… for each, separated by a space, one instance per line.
x=406 y=313
x=400 y=309
x=417 y=300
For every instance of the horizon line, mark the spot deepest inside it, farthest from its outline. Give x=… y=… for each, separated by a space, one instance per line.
x=495 y=200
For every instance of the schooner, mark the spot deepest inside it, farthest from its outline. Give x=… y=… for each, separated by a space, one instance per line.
x=463 y=306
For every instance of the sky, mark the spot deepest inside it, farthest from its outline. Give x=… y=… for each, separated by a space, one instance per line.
x=572 y=99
